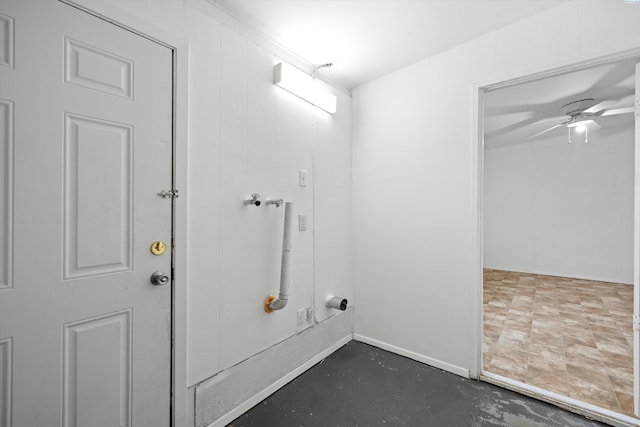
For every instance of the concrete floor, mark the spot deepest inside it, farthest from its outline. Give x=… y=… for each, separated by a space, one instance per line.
x=361 y=385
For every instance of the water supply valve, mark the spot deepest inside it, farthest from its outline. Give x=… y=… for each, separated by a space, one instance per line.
x=277 y=202
x=254 y=200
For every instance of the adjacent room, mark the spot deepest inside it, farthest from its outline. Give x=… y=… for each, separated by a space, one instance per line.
x=558 y=234
x=202 y=200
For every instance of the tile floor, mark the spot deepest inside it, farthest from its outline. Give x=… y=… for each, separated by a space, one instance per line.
x=569 y=336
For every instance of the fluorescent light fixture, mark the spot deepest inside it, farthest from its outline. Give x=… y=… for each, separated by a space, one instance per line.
x=303 y=86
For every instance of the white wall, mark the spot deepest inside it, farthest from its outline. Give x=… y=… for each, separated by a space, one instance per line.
x=562 y=209
x=247 y=135
x=415 y=154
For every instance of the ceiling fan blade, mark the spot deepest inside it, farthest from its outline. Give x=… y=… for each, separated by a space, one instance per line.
x=545 y=131
x=617 y=111
x=603 y=105
x=547 y=121
x=595 y=126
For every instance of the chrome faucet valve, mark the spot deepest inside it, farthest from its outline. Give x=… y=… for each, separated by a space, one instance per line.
x=277 y=202
x=254 y=200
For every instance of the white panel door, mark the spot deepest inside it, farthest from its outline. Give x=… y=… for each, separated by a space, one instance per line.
x=85 y=148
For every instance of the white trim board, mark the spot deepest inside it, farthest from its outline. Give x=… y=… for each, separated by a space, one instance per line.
x=571 y=276
x=290 y=376
x=454 y=369
x=277 y=385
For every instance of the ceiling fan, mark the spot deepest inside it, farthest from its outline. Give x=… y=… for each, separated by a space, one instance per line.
x=580 y=115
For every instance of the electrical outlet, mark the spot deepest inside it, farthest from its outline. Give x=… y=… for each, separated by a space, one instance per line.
x=304 y=318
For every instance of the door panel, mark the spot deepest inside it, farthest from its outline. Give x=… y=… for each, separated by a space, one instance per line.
x=6 y=191
x=97 y=351
x=86 y=131
x=96 y=69
x=6 y=40
x=6 y=368
x=97 y=195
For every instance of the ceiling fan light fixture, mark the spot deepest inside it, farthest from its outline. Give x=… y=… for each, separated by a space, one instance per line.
x=580 y=124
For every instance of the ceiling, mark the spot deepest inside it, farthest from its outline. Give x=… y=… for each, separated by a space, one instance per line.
x=515 y=113
x=366 y=39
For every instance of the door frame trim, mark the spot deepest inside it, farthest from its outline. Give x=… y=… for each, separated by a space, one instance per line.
x=180 y=63
x=585 y=409
x=476 y=371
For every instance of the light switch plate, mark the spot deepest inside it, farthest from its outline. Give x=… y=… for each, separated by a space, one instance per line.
x=302 y=222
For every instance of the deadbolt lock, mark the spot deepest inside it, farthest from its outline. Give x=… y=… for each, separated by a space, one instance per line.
x=158 y=247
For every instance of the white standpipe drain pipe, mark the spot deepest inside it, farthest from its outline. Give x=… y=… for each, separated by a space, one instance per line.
x=272 y=303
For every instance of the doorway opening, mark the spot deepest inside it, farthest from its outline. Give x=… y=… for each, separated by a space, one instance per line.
x=558 y=233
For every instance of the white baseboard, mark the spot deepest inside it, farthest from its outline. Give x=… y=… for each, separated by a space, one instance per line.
x=225 y=396
x=413 y=355
x=567 y=275
x=272 y=388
